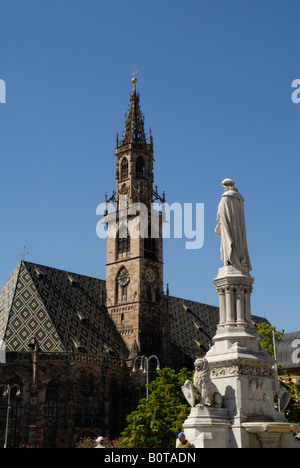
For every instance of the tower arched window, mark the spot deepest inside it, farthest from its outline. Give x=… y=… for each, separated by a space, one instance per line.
x=124 y=169
x=150 y=246
x=123 y=241
x=140 y=168
x=149 y=292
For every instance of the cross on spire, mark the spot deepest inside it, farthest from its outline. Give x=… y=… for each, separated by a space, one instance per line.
x=24 y=253
x=134 y=73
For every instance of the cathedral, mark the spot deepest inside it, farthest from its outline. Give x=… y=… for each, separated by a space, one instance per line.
x=71 y=341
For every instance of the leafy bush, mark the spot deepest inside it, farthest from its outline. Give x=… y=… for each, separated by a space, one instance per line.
x=157 y=421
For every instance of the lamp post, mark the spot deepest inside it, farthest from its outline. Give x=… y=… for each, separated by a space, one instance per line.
x=7 y=393
x=145 y=368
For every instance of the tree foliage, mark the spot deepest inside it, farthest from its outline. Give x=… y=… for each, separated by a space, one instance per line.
x=265 y=332
x=157 y=421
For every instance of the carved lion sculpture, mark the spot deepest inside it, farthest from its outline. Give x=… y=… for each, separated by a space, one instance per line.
x=203 y=384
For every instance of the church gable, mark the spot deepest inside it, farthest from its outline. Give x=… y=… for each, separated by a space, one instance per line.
x=6 y=300
x=29 y=319
x=63 y=311
x=76 y=306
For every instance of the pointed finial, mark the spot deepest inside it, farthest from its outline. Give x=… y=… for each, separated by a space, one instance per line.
x=150 y=137
x=134 y=79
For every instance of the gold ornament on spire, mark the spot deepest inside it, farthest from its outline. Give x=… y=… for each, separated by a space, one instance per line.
x=134 y=79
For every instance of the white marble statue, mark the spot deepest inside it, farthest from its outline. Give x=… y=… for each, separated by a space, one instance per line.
x=231 y=228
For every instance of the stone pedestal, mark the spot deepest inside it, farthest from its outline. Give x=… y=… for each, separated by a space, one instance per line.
x=241 y=370
x=234 y=289
x=207 y=427
x=243 y=374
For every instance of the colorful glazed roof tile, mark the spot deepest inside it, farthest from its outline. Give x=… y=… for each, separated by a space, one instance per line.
x=64 y=311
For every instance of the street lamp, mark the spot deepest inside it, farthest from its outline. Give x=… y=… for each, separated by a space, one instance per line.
x=144 y=367
x=7 y=392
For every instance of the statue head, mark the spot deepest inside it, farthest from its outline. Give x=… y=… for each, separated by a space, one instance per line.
x=228 y=184
x=200 y=364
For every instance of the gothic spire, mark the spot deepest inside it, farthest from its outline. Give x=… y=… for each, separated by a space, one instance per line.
x=134 y=126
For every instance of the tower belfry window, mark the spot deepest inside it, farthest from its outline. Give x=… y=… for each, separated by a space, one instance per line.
x=123 y=241
x=150 y=246
x=140 y=168
x=124 y=169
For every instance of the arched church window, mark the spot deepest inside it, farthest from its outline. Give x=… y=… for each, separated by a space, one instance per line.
x=149 y=292
x=123 y=241
x=140 y=168
x=86 y=387
x=51 y=413
x=150 y=246
x=124 y=169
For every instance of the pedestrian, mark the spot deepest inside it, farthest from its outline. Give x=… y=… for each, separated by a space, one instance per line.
x=100 y=442
x=183 y=442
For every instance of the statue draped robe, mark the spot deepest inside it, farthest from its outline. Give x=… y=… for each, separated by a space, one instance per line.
x=231 y=229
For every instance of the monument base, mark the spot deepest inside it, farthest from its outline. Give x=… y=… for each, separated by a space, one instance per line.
x=207 y=427
x=274 y=435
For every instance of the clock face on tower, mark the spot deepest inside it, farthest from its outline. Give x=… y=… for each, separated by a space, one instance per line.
x=123 y=277
x=150 y=276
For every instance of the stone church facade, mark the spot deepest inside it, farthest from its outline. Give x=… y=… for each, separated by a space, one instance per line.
x=71 y=339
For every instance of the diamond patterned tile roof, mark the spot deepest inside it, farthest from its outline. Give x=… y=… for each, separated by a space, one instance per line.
x=64 y=311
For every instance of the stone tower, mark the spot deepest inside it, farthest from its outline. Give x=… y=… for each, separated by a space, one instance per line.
x=134 y=271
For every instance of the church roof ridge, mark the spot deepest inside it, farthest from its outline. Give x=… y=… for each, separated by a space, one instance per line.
x=61 y=270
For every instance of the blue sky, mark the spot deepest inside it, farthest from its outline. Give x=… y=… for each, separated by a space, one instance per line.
x=215 y=82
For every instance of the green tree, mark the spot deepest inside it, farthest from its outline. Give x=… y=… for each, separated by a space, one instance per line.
x=293 y=410
x=157 y=421
x=265 y=332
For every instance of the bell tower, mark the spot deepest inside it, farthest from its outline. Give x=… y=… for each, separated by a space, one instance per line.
x=134 y=269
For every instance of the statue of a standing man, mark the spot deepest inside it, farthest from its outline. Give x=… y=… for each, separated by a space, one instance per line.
x=231 y=228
